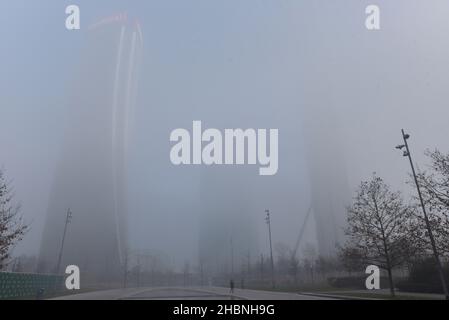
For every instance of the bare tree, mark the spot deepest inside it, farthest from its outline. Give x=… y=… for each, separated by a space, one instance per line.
x=379 y=227
x=294 y=268
x=351 y=259
x=12 y=227
x=435 y=188
x=310 y=255
x=186 y=273
x=282 y=257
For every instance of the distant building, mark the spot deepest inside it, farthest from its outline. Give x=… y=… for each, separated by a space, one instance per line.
x=227 y=235
x=329 y=187
x=90 y=178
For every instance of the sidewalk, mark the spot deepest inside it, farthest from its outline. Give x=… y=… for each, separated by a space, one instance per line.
x=381 y=294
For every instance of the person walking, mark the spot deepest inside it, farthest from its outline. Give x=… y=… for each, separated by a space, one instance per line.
x=231 y=286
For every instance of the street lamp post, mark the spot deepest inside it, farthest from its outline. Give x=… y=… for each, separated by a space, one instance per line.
x=67 y=221
x=125 y=270
x=407 y=153
x=232 y=259
x=268 y=221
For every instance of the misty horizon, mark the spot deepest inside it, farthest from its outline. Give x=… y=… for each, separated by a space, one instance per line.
x=338 y=94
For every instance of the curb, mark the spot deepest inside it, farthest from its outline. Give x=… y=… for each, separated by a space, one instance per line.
x=335 y=296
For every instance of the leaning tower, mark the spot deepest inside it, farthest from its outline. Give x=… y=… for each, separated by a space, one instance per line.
x=91 y=176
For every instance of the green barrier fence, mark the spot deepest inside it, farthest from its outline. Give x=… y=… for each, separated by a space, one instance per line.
x=28 y=285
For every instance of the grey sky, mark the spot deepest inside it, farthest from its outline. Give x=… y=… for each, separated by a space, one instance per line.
x=258 y=64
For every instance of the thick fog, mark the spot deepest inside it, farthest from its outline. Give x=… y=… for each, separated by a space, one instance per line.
x=308 y=68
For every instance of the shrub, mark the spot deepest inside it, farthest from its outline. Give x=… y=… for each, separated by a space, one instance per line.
x=355 y=282
x=424 y=278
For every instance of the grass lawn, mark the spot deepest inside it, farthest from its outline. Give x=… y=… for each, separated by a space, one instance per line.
x=383 y=296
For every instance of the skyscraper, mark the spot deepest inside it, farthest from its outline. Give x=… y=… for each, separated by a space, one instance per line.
x=91 y=176
x=227 y=233
x=329 y=187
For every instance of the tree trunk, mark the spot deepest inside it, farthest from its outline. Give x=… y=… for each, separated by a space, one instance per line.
x=386 y=251
x=390 y=279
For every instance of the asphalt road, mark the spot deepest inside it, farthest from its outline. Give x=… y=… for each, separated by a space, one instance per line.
x=181 y=293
